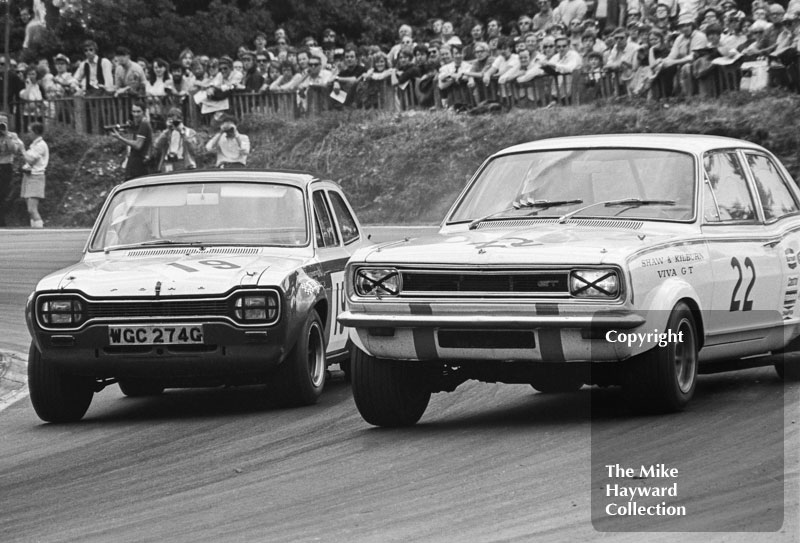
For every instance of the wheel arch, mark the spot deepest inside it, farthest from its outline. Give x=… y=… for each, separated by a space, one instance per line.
x=694 y=307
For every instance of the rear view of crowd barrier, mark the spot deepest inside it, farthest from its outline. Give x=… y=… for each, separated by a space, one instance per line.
x=98 y=114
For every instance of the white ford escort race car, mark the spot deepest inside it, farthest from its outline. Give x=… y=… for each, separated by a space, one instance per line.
x=619 y=259
x=198 y=278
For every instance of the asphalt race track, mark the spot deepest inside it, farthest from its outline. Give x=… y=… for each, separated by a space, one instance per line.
x=486 y=463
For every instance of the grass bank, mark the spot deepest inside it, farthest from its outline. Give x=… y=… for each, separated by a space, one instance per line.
x=408 y=168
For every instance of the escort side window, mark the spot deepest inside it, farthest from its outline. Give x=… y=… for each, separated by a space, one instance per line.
x=325 y=224
x=347 y=224
x=776 y=198
x=728 y=199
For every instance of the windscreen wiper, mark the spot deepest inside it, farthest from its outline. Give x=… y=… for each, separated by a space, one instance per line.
x=151 y=242
x=523 y=204
x=630 y=202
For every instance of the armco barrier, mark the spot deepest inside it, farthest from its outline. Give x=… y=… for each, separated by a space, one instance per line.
x=92 y=114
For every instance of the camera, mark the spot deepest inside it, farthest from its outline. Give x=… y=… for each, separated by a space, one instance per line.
x=118 y=127
x=173 y=123
x=171 y=157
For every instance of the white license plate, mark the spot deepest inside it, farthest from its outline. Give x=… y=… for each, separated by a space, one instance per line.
x=178 y=334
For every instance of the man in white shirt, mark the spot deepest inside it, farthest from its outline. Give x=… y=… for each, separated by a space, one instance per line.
x=231 y=147
x=505 y=61
x=682 y=54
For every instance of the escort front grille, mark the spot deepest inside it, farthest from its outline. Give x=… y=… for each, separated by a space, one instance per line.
x=241 y=307
x=484 y=283
x=172 y=308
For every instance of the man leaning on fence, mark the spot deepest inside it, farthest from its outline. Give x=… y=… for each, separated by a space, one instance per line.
x=94 y=74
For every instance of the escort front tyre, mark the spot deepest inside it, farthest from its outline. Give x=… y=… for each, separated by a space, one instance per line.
x=664 y=378
x=389 y=393
x=56 y=396
x=300 y=379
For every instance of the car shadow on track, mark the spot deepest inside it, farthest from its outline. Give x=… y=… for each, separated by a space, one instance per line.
x=208 y=403
x=724 y=394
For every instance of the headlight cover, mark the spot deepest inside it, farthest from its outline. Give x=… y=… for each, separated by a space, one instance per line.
x=594 y=283
x=61 y=311
x=256 y=308
x=377 y=282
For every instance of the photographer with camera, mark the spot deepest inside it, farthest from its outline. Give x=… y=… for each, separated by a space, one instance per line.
x=10 y=145
x=139 y=146
x=230 y=146
x=177 y=145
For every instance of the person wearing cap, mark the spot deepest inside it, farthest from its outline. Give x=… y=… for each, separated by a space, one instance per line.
x=225 y=81
x=678 y=63
x=10 y=146
x=36 y=159
x=64 y=82
x=176 y=145
x=95 y=74
x=231 y=147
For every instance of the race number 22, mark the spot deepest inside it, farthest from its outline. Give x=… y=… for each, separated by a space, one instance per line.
x=747 y=304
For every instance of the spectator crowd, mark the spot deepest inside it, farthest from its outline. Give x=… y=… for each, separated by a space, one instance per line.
x=647 y=48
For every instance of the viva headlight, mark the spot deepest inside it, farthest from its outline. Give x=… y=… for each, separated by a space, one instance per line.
x=256 y=308
x=61 y=312
x=594 y=283
x=377 y=282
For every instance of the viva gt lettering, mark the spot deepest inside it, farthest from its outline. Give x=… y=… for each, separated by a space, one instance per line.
x=670 y=259
x=218 y=264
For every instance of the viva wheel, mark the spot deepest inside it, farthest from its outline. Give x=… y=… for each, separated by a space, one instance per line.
x=388 y=392
x=664 y=378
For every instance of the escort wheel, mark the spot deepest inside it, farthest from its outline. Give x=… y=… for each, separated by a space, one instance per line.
x=300 y=379
x=390 y=393
x=56 y=396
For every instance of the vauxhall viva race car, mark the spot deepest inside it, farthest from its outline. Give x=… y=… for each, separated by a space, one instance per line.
x=197 y=279
x=612 y=260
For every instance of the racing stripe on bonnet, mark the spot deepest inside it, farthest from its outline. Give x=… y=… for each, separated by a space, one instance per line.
x=550 y=338
x=424 y=344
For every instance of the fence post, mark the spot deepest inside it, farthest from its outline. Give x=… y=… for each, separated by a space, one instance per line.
x=79 y=115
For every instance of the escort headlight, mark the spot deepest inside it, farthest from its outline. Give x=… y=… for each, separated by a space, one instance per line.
x=61 y=312
x=256 y=308
x=594 y=283
x=377 y=282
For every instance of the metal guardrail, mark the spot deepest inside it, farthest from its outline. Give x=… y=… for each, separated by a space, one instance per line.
x=90 y=114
